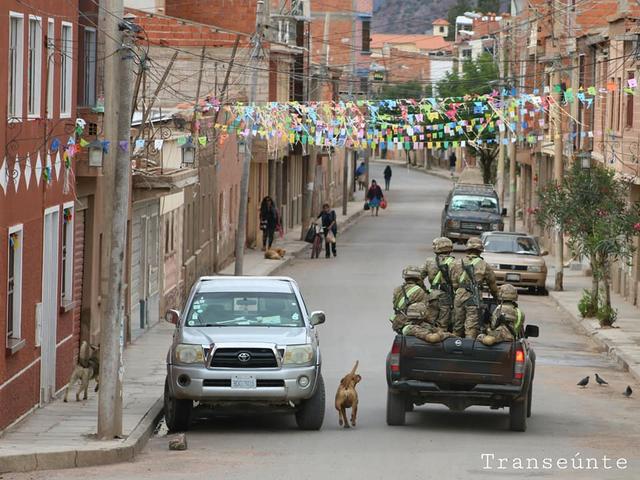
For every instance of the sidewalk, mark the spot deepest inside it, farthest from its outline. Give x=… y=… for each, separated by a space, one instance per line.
x=62 y=435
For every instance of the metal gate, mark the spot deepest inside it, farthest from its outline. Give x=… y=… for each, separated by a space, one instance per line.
x=49 y=312
x=145 y=246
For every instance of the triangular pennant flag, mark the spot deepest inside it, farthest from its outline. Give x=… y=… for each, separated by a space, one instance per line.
x=4 y=178
x=58 y=165
x=38 y=169
x=27 y=171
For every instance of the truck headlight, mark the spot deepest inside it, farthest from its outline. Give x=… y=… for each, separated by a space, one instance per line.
x=188 y=353
x=534 y=268
x=453 y=223
x=494 y=266
x=495 y=226
x=298 y=355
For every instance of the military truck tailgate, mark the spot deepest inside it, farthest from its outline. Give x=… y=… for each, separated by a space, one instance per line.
x=457 y=361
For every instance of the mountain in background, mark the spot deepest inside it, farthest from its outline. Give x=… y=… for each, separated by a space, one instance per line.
x=415 y=16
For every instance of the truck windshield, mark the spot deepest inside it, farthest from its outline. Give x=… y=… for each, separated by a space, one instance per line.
x=473 y=203
x=511 y=244
x=239 y=309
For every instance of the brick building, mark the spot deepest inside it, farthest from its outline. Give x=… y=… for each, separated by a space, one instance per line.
x=41 y=234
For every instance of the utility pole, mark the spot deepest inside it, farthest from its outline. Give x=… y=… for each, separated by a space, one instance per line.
x=558 y=171
x=345 y=180
x=112 y=332
x=502 y=146
x=241 y=233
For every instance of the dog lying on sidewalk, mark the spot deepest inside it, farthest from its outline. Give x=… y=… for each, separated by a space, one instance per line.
x=87 y=369
x=275 y=254
x=347 y=397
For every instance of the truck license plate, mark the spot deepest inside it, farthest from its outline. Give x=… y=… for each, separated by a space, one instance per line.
x=513 y=277
x=243 y=382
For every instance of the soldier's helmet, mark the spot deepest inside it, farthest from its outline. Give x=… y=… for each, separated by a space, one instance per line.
x=442 y=245
x=507 y=293
x=411 y=272
x=474 y=243
x=417 y=311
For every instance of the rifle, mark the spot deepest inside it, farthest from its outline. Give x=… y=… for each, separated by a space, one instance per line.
x=446 y=286
x=472 y=286
x=502 y=320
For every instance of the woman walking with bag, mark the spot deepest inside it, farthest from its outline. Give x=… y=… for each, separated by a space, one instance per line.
x=375 y=197
x=268 y=222
x=330 y=229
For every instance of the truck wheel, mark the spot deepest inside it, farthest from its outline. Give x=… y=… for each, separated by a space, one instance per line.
x=396 y=408
x=518 y=415
x=310 y=415
x=529 y=399
x=177 y=412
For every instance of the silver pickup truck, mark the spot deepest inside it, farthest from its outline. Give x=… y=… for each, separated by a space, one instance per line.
x=248 y=342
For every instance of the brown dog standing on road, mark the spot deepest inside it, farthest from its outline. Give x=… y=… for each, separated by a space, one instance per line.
x=347 y=397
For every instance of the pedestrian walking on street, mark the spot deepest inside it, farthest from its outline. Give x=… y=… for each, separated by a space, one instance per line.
x=452 y=162
x=361 y=176
x=374 y=197
x=330 y=229
x=387 y=177
x=268 y=221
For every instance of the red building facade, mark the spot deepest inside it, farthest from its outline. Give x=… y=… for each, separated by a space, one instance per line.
x=40 y=257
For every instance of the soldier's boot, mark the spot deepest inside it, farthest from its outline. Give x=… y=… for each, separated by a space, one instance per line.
x=487 y=340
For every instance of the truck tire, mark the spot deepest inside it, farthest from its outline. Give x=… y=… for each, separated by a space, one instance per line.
x=529 y=400
x=177 y=412
x=518 y=415
x=310 y=415
x=396 y=408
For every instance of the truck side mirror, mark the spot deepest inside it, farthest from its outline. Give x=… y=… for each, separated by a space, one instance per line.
x=172 y=316
x=317 y=318
x=504 y=212
x=531 y=331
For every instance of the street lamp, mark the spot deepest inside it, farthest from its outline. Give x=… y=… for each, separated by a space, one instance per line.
x=96 y=153
x=585 y=160
x=188 y=152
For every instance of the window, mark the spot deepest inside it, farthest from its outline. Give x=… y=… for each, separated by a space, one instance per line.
x=364 y=87
x=441 y=29
x=34 y=71
x=630 y=97
x=16 y=63
x=14 y=282
x=89 y=66
x=51 y=64
x=366 y=35
x=169 y=242
x=66 y=66
x=67 y=254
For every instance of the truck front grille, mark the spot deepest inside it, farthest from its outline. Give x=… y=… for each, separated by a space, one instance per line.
x=519 y=268
x=474 y=226
x=227 y=383
x=237 y=358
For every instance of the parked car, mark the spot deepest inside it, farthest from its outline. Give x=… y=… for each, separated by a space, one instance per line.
x=469 y=211
x=516 y=258
x=245 y=342
x=461 y=372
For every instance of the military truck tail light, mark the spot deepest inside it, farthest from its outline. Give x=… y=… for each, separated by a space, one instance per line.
x=394 y=360
x=519 y=366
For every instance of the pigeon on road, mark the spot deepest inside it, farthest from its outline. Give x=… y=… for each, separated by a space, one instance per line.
x=627 y=392
x=583 y=383
x=600 y=380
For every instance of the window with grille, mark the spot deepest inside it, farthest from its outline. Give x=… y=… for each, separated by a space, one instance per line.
x=67 y=254
x=34 y=70
x=366 y=36
x=16 y=62
x=66 y=69
x=51 y=64
x=14 y=282
x=89 y=66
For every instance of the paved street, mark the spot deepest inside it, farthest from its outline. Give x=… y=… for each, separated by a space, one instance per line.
x=355 y=291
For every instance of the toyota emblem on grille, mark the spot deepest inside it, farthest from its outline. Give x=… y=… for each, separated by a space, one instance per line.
x=244 y=357
x=458 y=342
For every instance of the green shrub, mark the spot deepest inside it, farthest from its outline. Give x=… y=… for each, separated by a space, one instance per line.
x=587 y=307
x=607 y=315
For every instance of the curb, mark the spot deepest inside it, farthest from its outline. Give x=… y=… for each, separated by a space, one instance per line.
x=588 y=328
x=87 y=456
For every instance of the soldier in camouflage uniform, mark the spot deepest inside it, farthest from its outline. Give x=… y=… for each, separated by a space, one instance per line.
x=507 y=321
x=421 y=326
x=438 y=271
x=410 y=292
x=469 y=274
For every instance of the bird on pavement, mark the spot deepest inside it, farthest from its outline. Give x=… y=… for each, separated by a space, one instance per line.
x=600 y=380
x=583 y=383
x=627 y=393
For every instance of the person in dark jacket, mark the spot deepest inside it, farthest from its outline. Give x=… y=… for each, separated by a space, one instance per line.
x=268 y=221
x=374 y=197
x=329 y=225
x=452 y=162
x=387 y=177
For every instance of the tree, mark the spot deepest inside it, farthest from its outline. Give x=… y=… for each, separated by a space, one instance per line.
x=592 y=207
x=410 y=89
x=457 y=10
x=478 y=77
